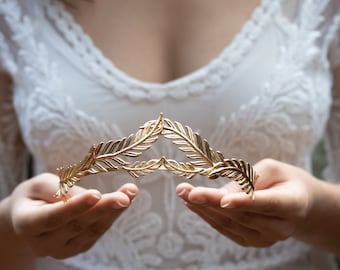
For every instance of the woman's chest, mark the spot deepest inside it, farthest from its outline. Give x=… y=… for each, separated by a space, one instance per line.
x=158 y=41
x=263 y=96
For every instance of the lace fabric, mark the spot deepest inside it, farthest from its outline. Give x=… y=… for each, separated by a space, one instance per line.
x=283 y=119
x=194 y=84
x=332 y=136
x=14 y=155
x=13 y=151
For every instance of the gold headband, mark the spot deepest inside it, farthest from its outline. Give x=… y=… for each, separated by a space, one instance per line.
x=203 y=160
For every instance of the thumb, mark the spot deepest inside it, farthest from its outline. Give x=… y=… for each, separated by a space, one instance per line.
x=44 y=187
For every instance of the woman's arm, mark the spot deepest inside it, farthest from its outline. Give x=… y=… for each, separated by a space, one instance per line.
x=323 y=223
x=33 y=222
x=14 y=254
x=289 y=202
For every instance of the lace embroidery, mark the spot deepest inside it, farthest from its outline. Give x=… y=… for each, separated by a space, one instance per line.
x=292 y=88
x=7 y=62
x=136 y=241
x=92 y=257
x=198 y=82
x=333 y=129
x=14 y=150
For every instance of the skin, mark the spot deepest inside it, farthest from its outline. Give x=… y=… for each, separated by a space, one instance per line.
x=288 y=203
x=33 y=223
x=171 y=37
x=174 y=37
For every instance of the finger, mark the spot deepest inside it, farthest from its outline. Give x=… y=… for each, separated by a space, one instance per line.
x=270 y=172
x=226 y=226
x=88 y=238
x=273 y=202
x=239 y=239
x=230 y=226
x=40 y=218
x=52 y=216
x=43 y=187
x=93 y=231
x=183 y=190
x=271 y=228
x=206 y=196
x=131 y=190
x=232 y=186
x=111 y=205
x=80 y=243
x=200 y=195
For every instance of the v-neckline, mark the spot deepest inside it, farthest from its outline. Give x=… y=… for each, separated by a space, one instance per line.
x=195 y=82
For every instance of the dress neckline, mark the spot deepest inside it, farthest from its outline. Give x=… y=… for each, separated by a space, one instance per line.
x=208 y=76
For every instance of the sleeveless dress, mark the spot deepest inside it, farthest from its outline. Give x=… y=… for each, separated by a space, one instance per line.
x=268 y=94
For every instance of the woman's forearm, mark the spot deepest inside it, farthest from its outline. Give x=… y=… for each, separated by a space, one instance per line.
x=321 y=227
x=14 y=254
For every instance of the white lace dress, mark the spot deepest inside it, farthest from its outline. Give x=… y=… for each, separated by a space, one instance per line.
x=268 y=94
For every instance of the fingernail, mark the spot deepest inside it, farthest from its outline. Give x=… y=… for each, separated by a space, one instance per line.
x=118 y=205
x=131 y=193
x=226 y=204
x=199 y=200
x=95 y=197
x=182 y=192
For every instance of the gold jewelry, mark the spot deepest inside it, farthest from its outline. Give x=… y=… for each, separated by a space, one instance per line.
x=109 y=156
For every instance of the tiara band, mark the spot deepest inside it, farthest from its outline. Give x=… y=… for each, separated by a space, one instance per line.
x=202 y=159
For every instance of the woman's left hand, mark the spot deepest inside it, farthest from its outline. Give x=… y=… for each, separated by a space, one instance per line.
x=283 y=198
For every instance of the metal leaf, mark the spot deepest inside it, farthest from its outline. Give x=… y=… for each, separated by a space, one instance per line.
x=203 y=160
x=239 y=171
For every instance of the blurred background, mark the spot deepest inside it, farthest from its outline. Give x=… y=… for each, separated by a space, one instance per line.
x=319 y=163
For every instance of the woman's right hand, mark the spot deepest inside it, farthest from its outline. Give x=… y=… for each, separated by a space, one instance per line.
x=52 y=228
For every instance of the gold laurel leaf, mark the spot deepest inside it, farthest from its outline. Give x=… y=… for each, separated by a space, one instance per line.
x=203 y=160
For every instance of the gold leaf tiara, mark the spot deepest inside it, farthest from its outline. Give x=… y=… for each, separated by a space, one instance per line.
x=203 y=160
